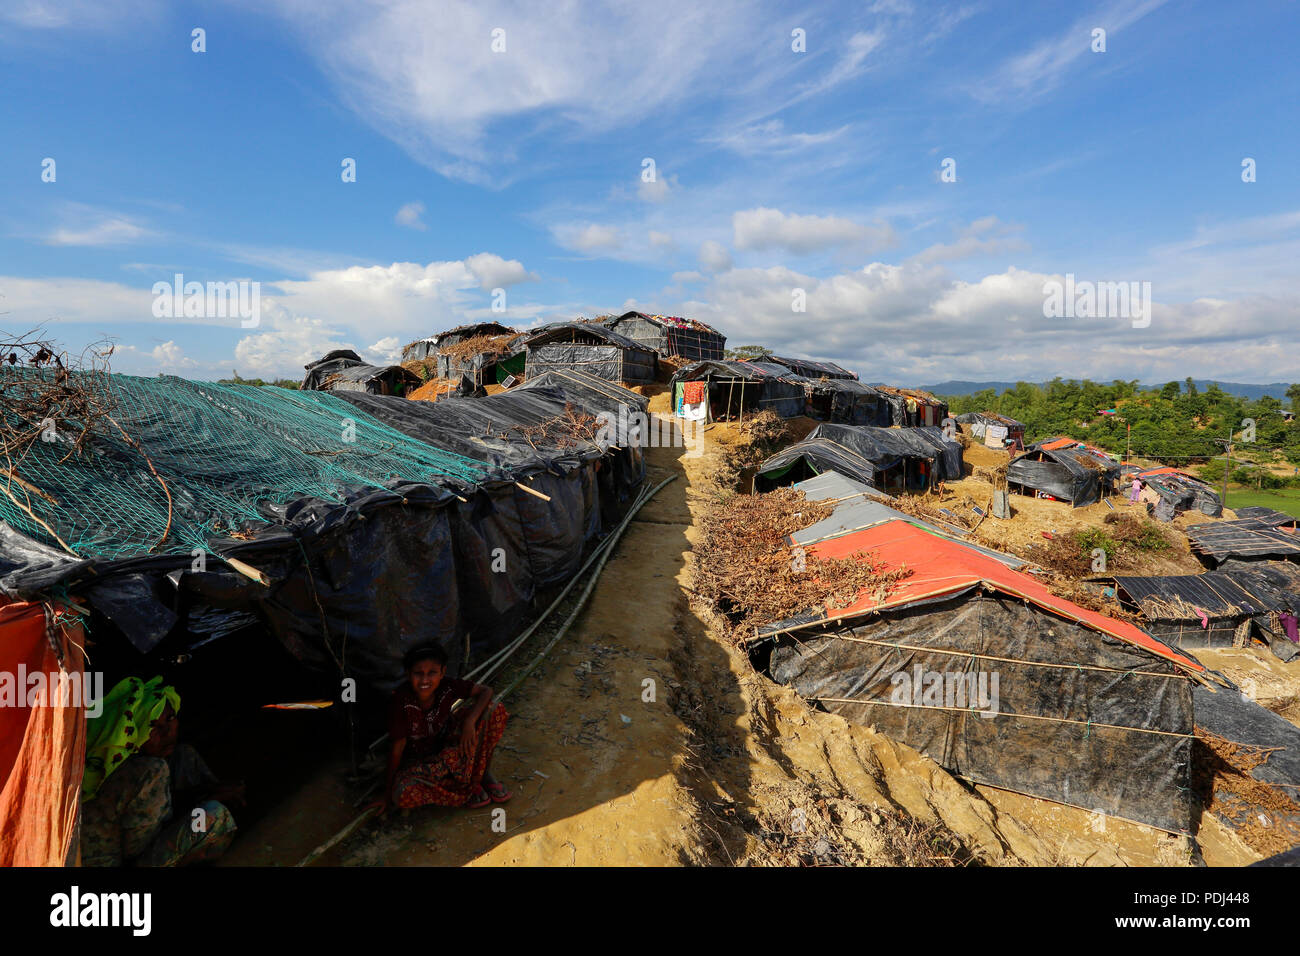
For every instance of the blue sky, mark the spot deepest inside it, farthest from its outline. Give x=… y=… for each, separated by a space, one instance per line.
x=775 y=170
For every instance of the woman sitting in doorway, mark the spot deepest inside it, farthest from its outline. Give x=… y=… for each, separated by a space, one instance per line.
x=441 y=752
x=147 y=799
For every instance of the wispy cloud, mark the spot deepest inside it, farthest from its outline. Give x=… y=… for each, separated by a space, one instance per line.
x=88 y=226
x=1040 y=69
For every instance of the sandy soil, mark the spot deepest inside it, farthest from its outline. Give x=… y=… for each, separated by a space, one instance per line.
x=720 y=767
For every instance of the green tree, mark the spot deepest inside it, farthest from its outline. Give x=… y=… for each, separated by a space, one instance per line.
x=748 y=353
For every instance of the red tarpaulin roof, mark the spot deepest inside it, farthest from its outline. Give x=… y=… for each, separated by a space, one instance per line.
x=1165 y=471
x=940 y=566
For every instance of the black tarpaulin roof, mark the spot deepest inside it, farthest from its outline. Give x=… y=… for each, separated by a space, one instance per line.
x=1217 y=593
x=809 y=368
x=988 y=418
x=563 y=332
x=1266 y=517
x=861 y=451
x=1242 y=538
x=726 y=368
x=346 y=366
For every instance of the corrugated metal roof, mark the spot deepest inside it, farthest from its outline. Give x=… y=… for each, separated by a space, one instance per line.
x=858 y=506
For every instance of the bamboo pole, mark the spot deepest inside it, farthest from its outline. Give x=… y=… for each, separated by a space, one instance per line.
x=521 y=486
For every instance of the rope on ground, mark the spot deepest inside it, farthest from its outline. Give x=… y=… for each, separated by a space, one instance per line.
x=1089 y=724
x=339 y=837
x=586 y=593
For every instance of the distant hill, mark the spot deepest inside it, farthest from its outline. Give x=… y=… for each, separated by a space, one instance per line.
x=1277 y=389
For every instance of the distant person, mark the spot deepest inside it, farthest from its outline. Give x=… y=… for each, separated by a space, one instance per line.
x=1135 y=490
x=441 y=753
x=141 y=788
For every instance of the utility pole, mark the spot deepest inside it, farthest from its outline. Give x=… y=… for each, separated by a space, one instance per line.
x=1227 y=466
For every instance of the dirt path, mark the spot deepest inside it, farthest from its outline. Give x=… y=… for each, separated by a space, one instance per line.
x=720 y=767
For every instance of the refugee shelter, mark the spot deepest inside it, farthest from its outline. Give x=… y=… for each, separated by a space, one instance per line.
x=670 y=335
x=720 y=390
x=590 y=348
x=344 y=371
x=1250 y=539
x=1215 y=609
x=911 y=407
x=1171 y=492
x=856 y=507
x=814 y=370
x=42 y=733
x=997 y=679
x=1064 y=469
x=482 y=361
x=429 y=347
x=321 y=515
x=996 y=430
x=846 y=402
x=1268 y=517
x=891 y=459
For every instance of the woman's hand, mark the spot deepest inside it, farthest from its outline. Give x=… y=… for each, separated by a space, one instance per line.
x=468 y=742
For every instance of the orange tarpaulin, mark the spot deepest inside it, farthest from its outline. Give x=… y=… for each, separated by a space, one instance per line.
x=940 y=566
x=1162 y=471
x=42 y=748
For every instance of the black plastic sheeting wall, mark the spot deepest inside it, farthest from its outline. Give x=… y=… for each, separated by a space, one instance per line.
x=357 y=582
x=1120 y=772
x=860 y=453
x=848 y=403
x=609 y=362
x=1081 y=486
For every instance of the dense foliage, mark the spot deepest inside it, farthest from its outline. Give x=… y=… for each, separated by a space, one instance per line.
x=237 y=380
x=1176 y=423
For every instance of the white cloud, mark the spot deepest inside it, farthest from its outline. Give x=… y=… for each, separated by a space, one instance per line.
x=915 y=323
x=657 y=190
x=301 y=319
x=494 y=272
x=714 y=256
x=285 y=343
x=171 y=358
x=387 y=351
x=691 y=276
x=983 y=237
x=661 y=240
x=587 y=237
x=411 y=215
x=765 y=228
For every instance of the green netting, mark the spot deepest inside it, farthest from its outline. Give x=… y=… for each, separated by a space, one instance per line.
x=222 y=450
x=511 y=366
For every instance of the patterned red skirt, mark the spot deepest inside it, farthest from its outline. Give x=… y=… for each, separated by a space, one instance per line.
x=447 y=779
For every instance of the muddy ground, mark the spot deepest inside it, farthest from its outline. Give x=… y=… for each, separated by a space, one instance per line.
x=710 y=763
